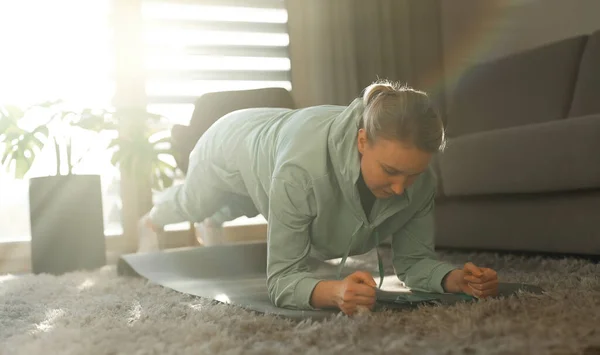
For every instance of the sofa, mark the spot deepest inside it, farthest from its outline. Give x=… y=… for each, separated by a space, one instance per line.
x=521 y=170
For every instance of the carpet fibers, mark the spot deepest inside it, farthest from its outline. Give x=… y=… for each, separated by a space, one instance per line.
x=101 y=313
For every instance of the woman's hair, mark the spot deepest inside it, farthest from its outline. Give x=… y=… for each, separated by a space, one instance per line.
x=393 y=111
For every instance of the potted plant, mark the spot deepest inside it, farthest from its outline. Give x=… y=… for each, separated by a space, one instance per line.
x=65 y=209
x=66 y=216
x=141 y=147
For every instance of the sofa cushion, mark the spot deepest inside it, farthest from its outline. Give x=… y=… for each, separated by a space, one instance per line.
x=529 y=87
x=212 y=106
x=586 y=98
x=564 y=222
x=554 y=156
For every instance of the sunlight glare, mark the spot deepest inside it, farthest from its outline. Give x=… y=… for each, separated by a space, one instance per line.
x=7 y=277
x=177 y=37
x=214 y=62
x=86 y=284
x=198 y=87
x=134 y=313
x=70 y=58
x=222 y=298
x=47 y=325
x=213 y=13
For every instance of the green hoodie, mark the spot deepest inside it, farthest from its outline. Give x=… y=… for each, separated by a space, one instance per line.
x=300 y=168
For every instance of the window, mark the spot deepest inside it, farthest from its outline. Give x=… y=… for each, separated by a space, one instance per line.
x=202 y=46
x=64 y=49
x=59 y=49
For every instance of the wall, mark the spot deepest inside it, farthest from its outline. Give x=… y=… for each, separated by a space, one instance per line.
x=474 y=31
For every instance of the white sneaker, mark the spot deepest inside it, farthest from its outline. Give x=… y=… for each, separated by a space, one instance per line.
x=210 y=232
x=147 y=237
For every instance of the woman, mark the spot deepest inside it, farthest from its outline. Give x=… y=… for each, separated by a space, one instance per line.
x=332 y=181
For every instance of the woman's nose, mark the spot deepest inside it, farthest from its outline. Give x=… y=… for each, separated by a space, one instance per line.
x=398 y=185
x=398 y=189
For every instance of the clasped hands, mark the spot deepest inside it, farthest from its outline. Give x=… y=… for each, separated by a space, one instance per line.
x=357 y=291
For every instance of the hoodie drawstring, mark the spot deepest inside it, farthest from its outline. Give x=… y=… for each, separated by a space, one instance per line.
x=341 y=266
x=379 y=260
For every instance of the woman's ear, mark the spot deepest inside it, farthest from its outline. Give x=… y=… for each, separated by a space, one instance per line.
x=362 y=140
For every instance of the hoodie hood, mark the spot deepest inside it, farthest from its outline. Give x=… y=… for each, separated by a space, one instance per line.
x=345 y=159
x=343 y=152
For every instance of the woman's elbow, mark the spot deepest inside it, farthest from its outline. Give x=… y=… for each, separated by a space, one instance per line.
x=273 y=292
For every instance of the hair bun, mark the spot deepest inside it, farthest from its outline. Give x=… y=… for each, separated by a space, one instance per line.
x=398 y=112
x=376 y=89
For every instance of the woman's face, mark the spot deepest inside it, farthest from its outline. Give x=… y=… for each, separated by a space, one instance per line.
x=389 y=166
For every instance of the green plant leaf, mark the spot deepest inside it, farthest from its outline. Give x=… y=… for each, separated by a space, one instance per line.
x=48 y=104
x=139 y=152
x=41 y=130
x=34 y=144
x=6 y=157
x=163 y=173
x=15 y=113
x=5 y=125
x=22 y=164
x=116 y=158
x=9 y=116
x=96 y=122
x=115 y=142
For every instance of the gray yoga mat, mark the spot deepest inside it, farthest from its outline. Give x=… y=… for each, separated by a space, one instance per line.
x=236 y=274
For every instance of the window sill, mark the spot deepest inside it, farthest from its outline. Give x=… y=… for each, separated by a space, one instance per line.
x=15 y=256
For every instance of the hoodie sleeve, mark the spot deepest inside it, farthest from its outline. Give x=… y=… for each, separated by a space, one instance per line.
x=289 y=280
x=414 y=254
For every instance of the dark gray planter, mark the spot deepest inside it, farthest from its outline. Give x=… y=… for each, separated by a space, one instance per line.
x=67 y=226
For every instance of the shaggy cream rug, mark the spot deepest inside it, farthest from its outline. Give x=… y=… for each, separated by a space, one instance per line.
x=101 y=313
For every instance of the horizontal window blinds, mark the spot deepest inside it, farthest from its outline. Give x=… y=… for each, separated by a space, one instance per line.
x=194 y=47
